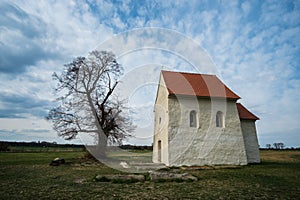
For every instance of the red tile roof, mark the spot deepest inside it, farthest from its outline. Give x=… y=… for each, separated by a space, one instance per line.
x=244 y=113
x=201 y=85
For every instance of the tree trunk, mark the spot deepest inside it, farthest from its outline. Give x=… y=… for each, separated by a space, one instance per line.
x=101 y=146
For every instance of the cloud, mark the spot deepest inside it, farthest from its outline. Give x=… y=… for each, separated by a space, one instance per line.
x=46 y=31
x=21 y=39
x=17 y=19
x=260 y=65
x=37 y=40
x=25 y=129
x=19 y=106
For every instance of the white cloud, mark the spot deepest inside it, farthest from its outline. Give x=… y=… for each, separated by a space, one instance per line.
x=72 y=29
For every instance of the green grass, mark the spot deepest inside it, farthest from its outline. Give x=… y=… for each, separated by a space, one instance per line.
x=42 y=149
x=29 y=176
x=31 y=158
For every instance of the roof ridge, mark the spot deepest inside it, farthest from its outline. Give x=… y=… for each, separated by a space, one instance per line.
x=192 y=73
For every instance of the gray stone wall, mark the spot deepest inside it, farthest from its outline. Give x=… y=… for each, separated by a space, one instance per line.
x=250 y=140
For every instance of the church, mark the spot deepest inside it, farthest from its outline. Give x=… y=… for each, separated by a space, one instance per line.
x=198 y=121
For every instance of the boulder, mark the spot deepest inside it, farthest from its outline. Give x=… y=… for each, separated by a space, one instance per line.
x=167 y=176
x=120 y=178
x=151 y=176
x=57 y=161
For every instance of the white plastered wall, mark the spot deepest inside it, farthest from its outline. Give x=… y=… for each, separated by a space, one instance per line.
x=205 y=144
x=161 y=124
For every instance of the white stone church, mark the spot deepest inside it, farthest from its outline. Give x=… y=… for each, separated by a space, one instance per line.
x=199 y=122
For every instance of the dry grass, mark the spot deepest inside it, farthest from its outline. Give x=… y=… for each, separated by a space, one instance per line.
x=280 y=156
x=29 y=176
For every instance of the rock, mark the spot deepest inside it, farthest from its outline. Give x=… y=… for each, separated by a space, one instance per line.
x=166 y=176
x=124 y=165
x=80 y=181
x=120 y=178
x=190 y=178
x=146 y=167
x=152 y=176
x=57 y=161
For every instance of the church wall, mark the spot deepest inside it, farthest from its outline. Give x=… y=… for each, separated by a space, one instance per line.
x=251 y=142
x=161 y=125
x=204 y=144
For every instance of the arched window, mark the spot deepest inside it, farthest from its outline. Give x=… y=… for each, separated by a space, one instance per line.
x=219 y=119
x=193 y=119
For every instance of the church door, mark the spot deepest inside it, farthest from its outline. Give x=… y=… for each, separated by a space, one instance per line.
x=159 y=150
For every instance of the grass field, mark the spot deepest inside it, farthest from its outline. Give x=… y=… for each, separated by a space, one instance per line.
x=23 y=149
x=29 y=176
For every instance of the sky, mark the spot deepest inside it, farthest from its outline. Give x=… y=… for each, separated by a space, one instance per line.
x=252 y=46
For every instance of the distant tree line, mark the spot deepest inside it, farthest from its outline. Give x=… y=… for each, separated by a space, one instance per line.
x=4 y=145
x=279 y=146
x=135 y=147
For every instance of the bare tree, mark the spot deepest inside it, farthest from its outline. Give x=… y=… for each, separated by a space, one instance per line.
x=268 y=146
x=86 y=101
x=281 y=145
x=276 y=146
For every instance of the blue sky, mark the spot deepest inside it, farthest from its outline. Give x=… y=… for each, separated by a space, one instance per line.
x=254 y=46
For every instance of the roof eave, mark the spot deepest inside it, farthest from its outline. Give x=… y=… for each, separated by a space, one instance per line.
x=250 y=119
x=206 y=97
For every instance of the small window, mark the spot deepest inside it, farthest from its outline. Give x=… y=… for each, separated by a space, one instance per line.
x=159 y=120
x=219 y=119
x=193 y=119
